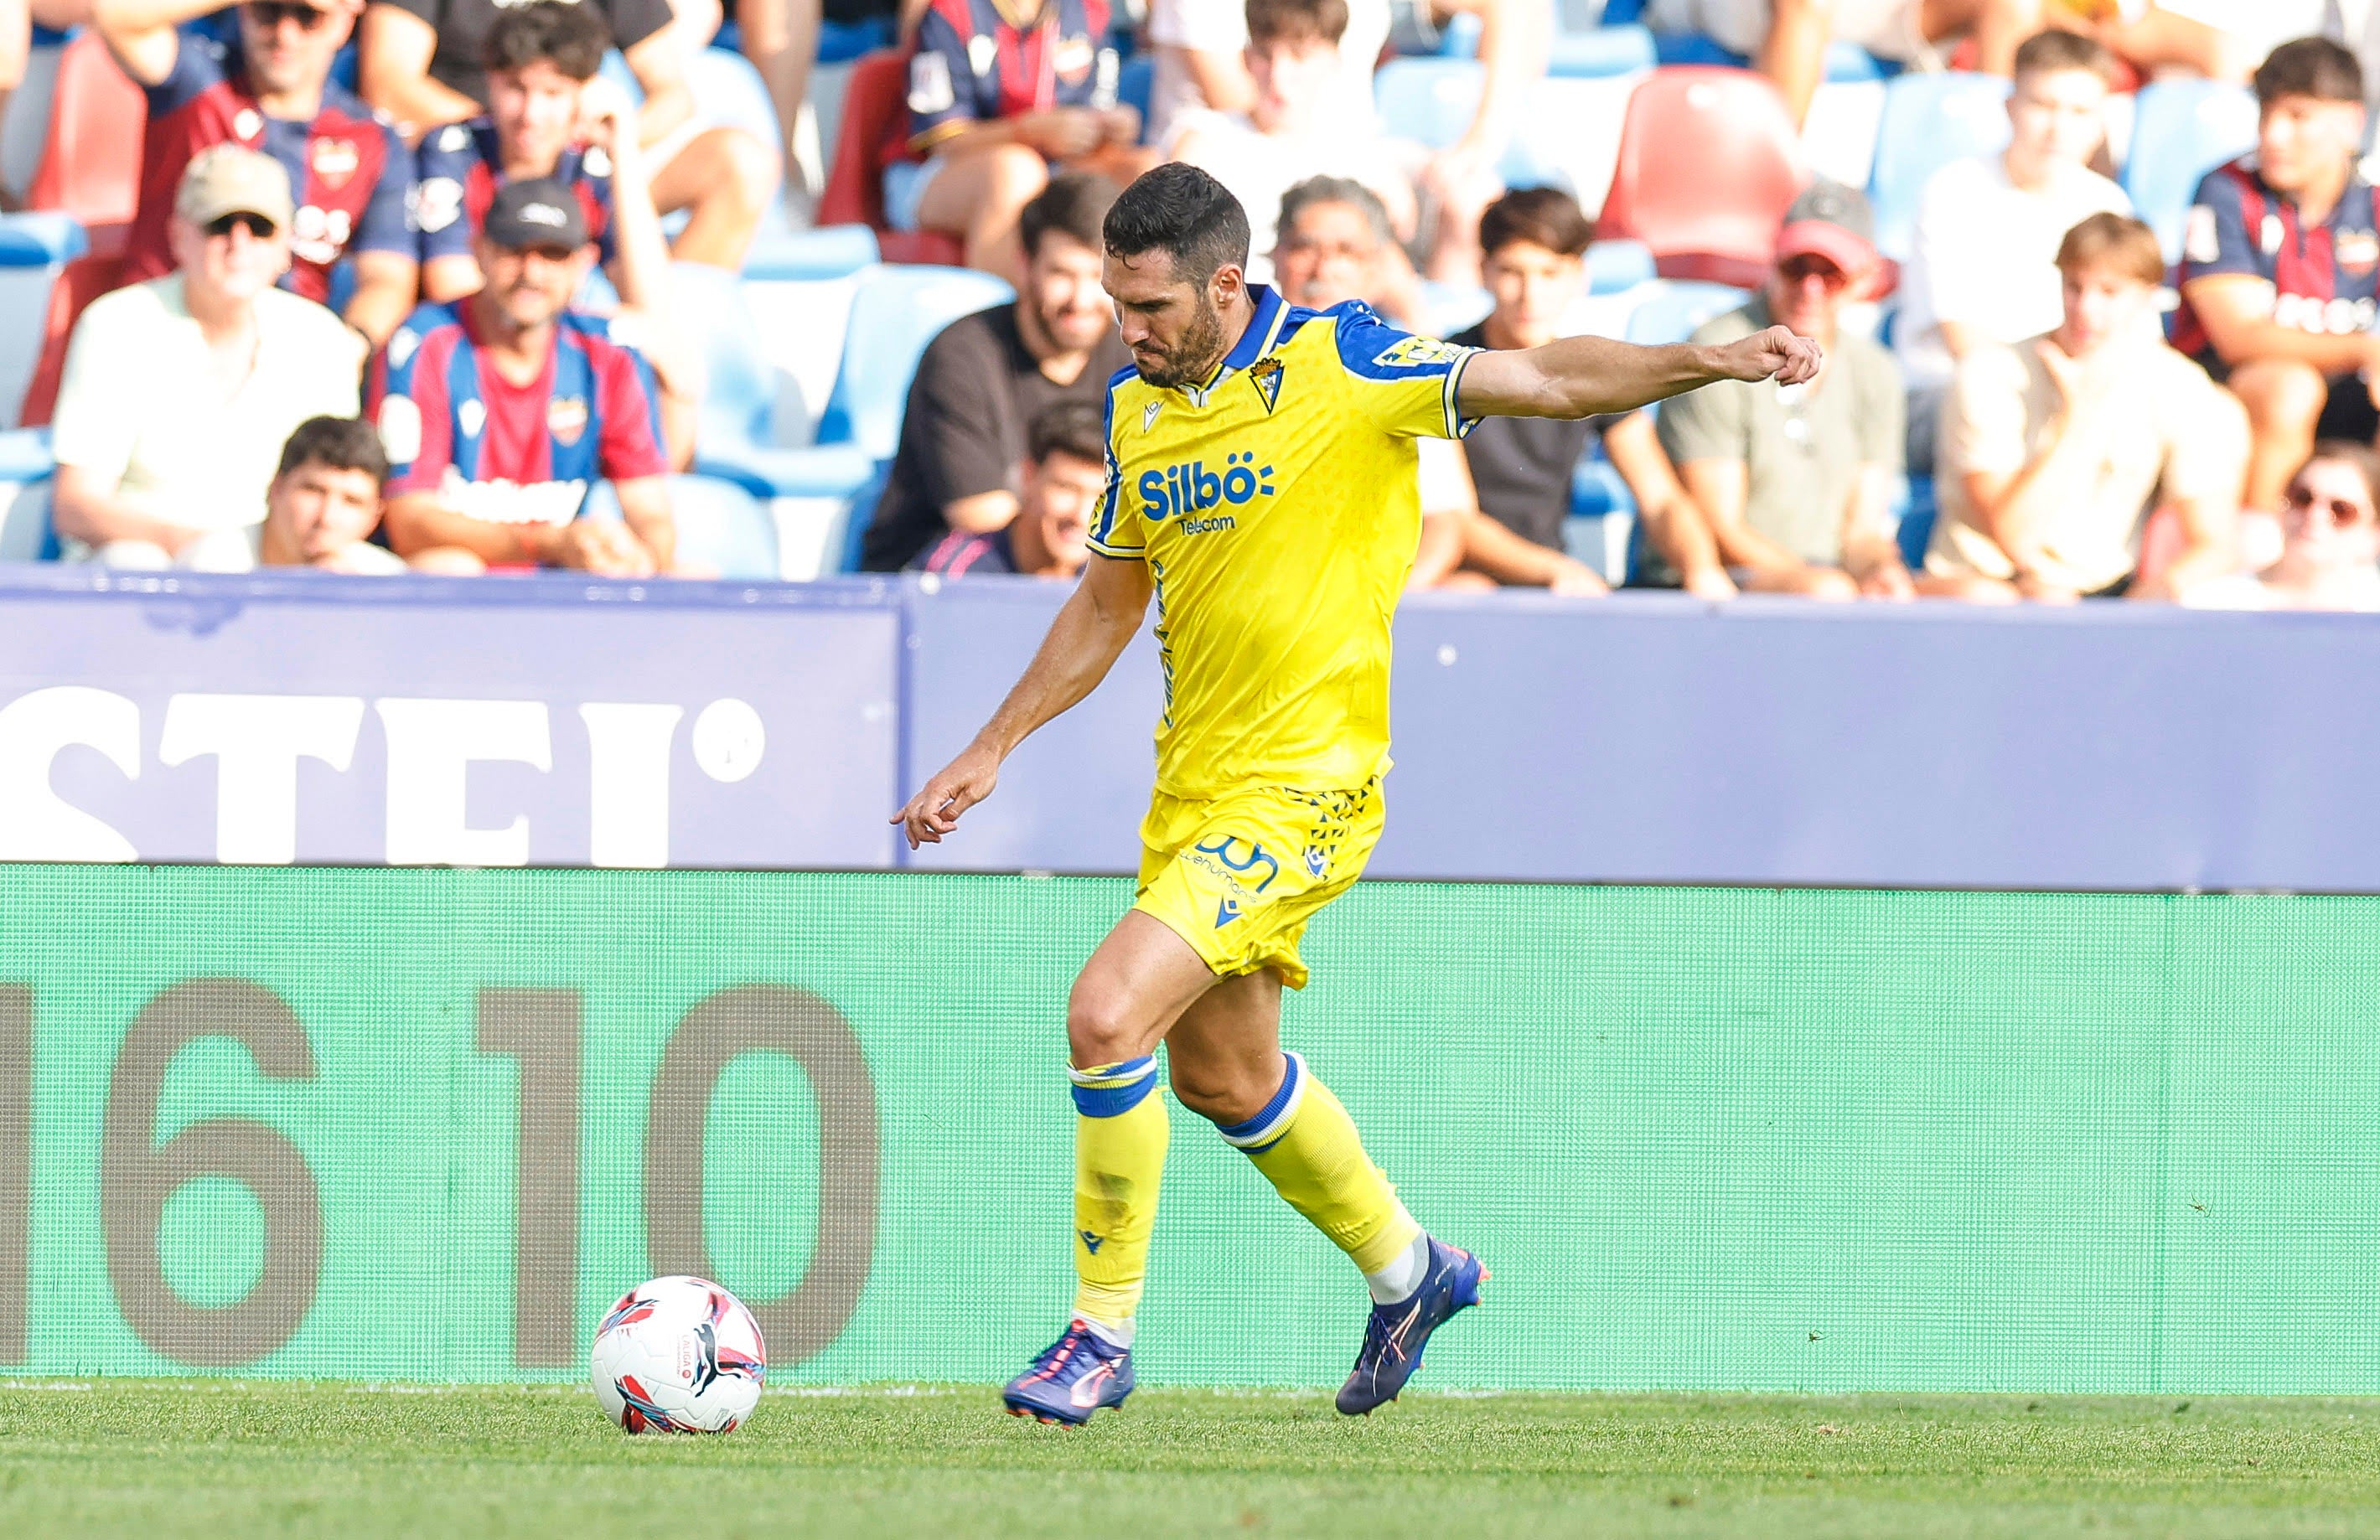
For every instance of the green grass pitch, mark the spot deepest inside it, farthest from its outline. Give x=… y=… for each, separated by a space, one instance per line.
x=154 y=1459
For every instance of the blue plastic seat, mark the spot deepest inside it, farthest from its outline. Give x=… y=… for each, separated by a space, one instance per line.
x=1427 y=100
x=1603 y=52
x=1845 y=61
x=25 y=471
x=1929 y=121
x=1675 y=311
x=810 y=256
x=2181 y=130
x=723 y=527
x=897 y=311
x=1137 y=87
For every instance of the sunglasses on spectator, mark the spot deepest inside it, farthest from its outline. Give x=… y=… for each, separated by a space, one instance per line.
x=270 y=14
x=1800 y=270
x=255 y=225
x=2343 y=514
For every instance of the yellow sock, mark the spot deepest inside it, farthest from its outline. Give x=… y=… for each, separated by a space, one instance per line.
x=1306 y=1146
x=1119 y=1160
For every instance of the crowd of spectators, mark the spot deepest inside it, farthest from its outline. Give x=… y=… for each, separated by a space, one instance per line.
x=487 y=209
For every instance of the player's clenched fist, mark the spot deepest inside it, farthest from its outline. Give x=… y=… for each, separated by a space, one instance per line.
x=1775 y=354
x=962 y=783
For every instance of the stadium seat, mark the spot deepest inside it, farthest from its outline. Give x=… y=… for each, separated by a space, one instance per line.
x=842 y=42
x=1929 y=121
x=2181 y=130
x=1708 y=163
x=1137 y=88
x=1671 y=312
x=34 y=249
x=897 y=311
x=91 y=165
x=1914 y=505
x=1568 y=136
x=872 y=102
x=25 y=470
x=1845 y=61
x=1606 y=50
x=1617 y=266
x=80 y=282
x=722 y=529
x=25 y=127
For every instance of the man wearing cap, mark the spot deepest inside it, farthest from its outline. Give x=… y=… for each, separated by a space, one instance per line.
x=179 y=392
x=349 y=174
x=1796 y=481
x=499 y=423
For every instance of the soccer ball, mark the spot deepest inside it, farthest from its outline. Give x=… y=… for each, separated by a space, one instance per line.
x=678 y=1354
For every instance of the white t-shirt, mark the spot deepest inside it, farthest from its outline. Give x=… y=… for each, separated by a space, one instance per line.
x=138 y=409
x=1985 y=254
x=1258 y=168
x=1222 y=27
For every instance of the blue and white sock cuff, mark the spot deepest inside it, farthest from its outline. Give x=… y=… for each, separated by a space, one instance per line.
x=1112 y=1090
x=1262 y=1132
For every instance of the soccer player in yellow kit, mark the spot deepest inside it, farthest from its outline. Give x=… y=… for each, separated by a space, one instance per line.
x=1261 y=486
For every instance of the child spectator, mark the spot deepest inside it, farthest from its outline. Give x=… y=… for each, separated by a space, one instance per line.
x=549 y=116
x=179 y=392
x=1983 y=267
x=994 y=103
x=2053 y=450
x=350 y=174
x=2280 y=267
x=2330 y=541
x=500 y=423
x=1063 y=476
x=1795 y=481
x=423 y=64
x=986 y=377
x=324 y=501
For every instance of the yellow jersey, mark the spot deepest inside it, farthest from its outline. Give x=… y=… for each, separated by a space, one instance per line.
x=1277 y=508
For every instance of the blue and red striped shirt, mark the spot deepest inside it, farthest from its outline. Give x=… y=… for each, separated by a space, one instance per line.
x=2326 y=277
x=462 y=166
x=975 y=64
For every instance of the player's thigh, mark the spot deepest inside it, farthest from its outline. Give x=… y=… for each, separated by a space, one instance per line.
x=1224 y=1055
x=1135 y=986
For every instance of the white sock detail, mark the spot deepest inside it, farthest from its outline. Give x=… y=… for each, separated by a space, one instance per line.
x=1395 y=1283
x=1115 y=1334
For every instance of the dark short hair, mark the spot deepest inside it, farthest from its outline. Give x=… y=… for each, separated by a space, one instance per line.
x=1075 y=428
x=572 y=37
x=2055 y=49
x=340 y=443
x=1291 y=20
x=2113 y=240
x=1072 y=205
x=1542 y=216
x=1181 y=211
x=1336 y=189
x=2347 y=452
x=2309 y=67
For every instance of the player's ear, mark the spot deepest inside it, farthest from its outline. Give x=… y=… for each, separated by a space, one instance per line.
x=1228 y=284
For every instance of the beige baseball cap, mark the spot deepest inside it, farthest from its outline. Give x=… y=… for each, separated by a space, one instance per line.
x=231 y=180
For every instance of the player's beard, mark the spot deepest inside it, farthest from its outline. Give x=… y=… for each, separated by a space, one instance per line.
x=1192 y=359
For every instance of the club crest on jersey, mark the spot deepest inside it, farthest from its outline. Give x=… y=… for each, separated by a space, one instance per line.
x=1149 y=415
x=1071 y=60
x=565 y=418
x=2357 y=251
x=333 y=160
x=1265 y=374
x=1417 y=353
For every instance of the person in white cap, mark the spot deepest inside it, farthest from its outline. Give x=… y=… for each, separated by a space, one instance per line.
x=180 y=392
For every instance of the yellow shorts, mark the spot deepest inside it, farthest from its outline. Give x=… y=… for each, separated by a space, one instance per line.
x=1238 y=876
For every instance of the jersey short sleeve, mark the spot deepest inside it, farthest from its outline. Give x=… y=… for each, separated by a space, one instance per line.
x=1407 y=385
x=2216 y=240
x=387 y=222
x=445 y=160
x=941 y=84
x=408 y=403
x=1116 y=527
x=627 y=403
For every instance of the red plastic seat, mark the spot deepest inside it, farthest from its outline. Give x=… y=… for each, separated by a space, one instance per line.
x=79 y=281
x=1708 y=164
x=90 y=167
x=874 y=104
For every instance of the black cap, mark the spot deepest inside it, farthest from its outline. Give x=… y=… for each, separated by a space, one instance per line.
x=538 y=212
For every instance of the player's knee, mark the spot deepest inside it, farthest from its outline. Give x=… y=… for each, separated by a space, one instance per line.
x=1222 y=1092
x=1100 y=1029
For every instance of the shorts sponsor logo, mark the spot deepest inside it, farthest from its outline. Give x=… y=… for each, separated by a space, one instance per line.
x=1220 y=849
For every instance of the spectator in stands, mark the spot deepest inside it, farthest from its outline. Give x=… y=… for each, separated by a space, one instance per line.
x=988 y=376
x=983 y=140
x=1983 y=267
x=324 y=501
x=2053 y=450
x=351 y=176
x=1535 y=244
x=422 y=63
x=2280 y=267
x=1063 y=476
x=1795 y=482
x=1787 y=39
x=2330 y=549
x=550 y=114
x=498 y=425
x=1199 y=52
x=179 y=392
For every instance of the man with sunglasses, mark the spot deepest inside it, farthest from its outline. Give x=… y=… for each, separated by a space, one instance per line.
x=180 y=392
x=2330 y=541
x=1795 y=482
x=350 y=174
x=499 y=424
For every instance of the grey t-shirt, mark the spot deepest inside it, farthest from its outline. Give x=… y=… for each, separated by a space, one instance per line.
x=1802 y=445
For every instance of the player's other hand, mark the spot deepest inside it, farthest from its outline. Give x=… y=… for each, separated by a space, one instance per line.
x=962 y=783
x=1775 y=354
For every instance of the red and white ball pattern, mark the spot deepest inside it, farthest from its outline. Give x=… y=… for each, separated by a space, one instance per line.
x=678 y=1354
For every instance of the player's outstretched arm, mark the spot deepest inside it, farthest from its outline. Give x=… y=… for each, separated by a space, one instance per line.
x=1576 y=377
x=1091 y=630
